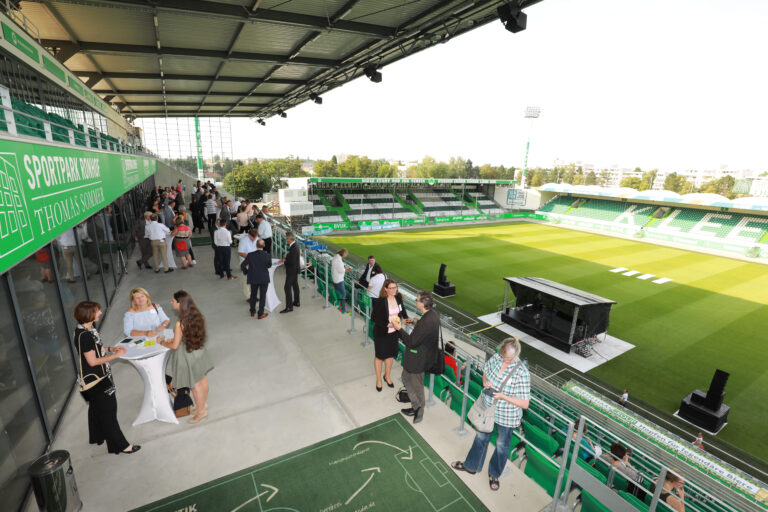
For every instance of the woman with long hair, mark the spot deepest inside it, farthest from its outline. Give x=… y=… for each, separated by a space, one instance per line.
x=189 y=362
x=388 y=305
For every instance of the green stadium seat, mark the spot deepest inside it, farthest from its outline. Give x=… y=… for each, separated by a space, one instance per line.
x=475 y=389
x=535 y=419
x=542 y=471
x=540 y=439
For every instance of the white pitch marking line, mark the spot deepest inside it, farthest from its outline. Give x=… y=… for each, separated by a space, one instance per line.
x=646 y=276
x=631 y=273
x=662 y=280
x=617 y=270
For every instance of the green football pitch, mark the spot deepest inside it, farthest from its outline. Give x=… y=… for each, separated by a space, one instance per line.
x=712 y=314
x=383 y=466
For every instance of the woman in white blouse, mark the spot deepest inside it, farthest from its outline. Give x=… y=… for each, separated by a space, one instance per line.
x=376 y=282
x=144 y=318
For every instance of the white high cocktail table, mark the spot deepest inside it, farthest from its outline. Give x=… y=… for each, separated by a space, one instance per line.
x=150 y=363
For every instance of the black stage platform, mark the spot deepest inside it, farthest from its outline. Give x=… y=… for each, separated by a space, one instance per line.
x=554 y=313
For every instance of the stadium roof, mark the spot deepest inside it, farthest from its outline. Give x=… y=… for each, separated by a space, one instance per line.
x=240 y=57
x=661 y=196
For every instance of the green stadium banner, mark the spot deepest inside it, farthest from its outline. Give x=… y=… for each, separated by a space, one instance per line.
x=54 y=68
x=377 y=225
x=20 y=42
x=707 y=463
x=333 y=226
x=413 y=181
x=45 y=190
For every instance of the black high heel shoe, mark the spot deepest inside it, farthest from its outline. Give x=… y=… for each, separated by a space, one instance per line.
x=390 y=384
x=378 y=388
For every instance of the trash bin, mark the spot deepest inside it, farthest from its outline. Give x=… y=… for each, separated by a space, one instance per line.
x=53 y=481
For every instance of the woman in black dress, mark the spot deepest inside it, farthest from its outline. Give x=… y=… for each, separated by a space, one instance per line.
x=389 y=304
x=94 y=368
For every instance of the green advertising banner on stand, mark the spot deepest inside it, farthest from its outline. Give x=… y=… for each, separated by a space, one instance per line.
x=45 y=190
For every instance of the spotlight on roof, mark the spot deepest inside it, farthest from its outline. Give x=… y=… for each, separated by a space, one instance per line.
x=282 y=113
x=512 y=18
x=372 y=74
x=314 y=97
x=261 y=122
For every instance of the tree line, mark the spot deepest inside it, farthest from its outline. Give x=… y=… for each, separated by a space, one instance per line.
x=575 y=175
x=252 y=180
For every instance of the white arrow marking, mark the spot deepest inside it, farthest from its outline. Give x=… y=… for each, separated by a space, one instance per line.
x=379 y=442
x=366 y=482
x=409 y=451
x=274 y=491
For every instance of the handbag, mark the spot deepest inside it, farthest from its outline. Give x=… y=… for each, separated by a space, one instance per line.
x=437 y=365
x=81 y=381
x=481 y=415
x=402 y=396
x=182 y=402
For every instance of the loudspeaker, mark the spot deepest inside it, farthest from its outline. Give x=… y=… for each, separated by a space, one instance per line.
x=512 y=18
x=443 y=287
x=441 y=276
x=717 y=388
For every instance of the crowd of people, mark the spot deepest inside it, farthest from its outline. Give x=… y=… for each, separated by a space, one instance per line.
x=506 y=380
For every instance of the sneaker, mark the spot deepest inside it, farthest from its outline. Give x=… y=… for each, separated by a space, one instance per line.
x=194 y=262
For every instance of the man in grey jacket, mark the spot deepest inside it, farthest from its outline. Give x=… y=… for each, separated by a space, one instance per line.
x=420 y=352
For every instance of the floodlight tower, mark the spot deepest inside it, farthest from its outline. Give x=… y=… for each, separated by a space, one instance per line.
x=530 y=113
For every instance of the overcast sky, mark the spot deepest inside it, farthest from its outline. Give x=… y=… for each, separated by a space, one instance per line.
x=670 y=84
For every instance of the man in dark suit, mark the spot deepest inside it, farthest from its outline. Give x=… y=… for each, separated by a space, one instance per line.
x=368 y=273
x=292 y=267
x=256 y=266
x=420 y=352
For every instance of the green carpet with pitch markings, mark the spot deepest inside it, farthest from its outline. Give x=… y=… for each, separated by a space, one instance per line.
x=383 y=466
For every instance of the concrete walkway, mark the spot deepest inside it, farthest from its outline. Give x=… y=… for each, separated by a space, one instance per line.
x=280 y=384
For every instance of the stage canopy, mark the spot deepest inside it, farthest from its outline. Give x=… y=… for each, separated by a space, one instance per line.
x=555 y=313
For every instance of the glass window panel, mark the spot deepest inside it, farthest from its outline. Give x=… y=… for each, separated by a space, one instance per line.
x=96 y=262
x=106 y=235
x=22 y=435
x=67 y=260
x=46 y=333
x=116 y=217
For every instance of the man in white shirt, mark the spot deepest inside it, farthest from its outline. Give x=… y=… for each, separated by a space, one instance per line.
x=157 y=233
x=265 y=232
x=145 y=245
x=246 y=246
x=222 y=241
x=68 y=245
x=338 y=269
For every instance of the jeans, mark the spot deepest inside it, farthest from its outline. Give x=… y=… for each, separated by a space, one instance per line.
x=342 y=293
x=476 y=456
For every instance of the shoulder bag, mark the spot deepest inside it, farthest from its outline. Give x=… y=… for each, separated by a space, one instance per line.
x=482 y=416
x=437 y=365
x=83 y=385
